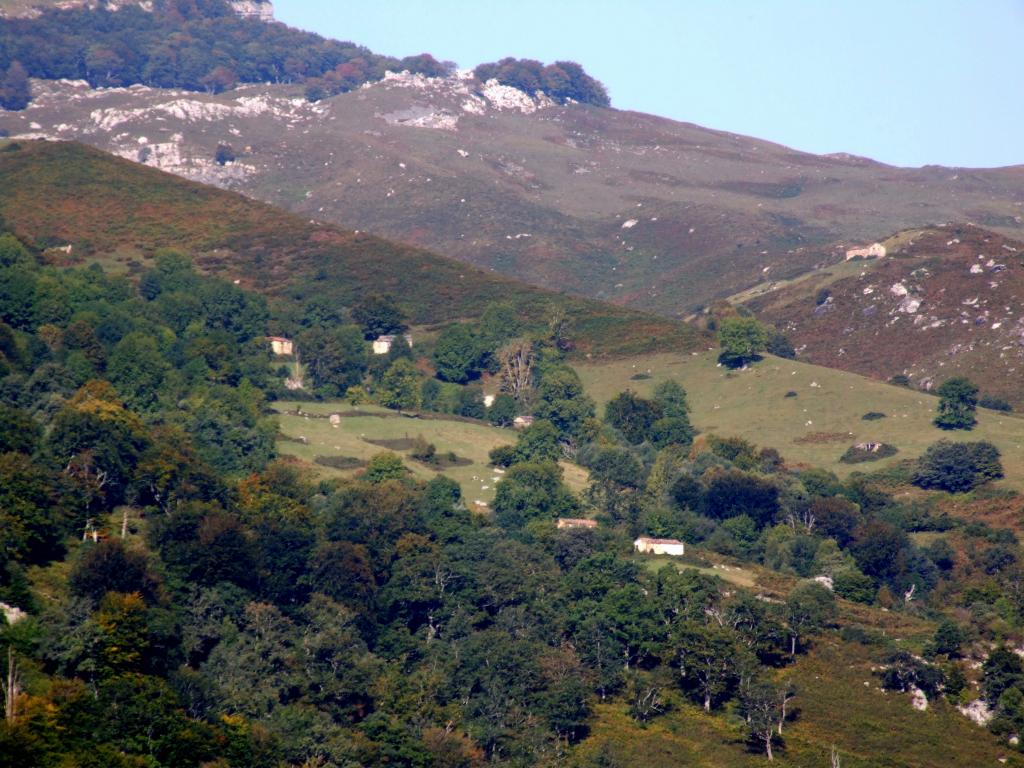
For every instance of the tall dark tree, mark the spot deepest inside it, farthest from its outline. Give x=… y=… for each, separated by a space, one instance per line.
x=379 y=315
x=632 y=415
x=958 y=401
x=15 y=91
x=457 y=354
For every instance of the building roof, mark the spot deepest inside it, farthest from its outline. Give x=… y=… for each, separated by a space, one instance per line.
x=649 y=540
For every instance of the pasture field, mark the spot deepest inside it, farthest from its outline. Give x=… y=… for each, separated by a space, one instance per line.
x=814 y=426
x=359 y=425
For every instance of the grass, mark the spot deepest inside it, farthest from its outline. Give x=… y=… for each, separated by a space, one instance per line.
x=816 y=427
x=707 y=563
x=352 y=438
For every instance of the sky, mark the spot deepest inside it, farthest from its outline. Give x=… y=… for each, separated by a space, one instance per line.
x=905 y=82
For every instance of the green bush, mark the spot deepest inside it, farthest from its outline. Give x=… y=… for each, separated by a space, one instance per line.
x=958 y=467
x=423 y=451
x=854 y=585
x=995 y=404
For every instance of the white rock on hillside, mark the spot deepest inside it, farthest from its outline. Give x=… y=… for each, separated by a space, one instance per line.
x=977 y=711
x=918 y=700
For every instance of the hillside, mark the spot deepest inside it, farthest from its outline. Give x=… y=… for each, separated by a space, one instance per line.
x=118 y=213
x=812 y=415
x=944 y=302
x=172 y=595
x=623 y=206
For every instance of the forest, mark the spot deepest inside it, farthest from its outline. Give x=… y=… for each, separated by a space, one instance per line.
x=185 y=597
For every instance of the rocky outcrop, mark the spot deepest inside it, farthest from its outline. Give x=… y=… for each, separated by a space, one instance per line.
x=254 y=9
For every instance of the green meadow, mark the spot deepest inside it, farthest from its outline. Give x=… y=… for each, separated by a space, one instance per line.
x=365 y=430
x=814 y=425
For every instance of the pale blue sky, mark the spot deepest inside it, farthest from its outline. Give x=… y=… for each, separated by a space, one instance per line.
x=906 y=82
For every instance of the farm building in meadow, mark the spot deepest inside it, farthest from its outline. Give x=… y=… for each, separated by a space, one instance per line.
x=522 y=422
x=648 y=546
x=873 y=251
x=382 y=344
x=279 y=345
x=575 y=522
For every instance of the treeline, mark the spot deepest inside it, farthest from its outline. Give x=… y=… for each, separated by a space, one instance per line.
x=562 y=81
x=200 y=46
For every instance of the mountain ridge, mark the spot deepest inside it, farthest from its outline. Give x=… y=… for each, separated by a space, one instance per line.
x=518 y=184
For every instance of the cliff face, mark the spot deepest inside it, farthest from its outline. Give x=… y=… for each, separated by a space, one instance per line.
x=254 y=9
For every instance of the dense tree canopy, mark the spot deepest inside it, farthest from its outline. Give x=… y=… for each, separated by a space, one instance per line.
x=201 y=46
x=958 y=467
x=562 y=81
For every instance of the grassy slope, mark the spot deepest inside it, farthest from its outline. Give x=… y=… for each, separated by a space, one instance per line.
x=468 y=440
x=752 y=404
x=867 y=726
x=113 y=210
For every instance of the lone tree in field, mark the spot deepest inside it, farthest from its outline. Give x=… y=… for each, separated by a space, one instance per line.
x=742 y=339
x=957 y=404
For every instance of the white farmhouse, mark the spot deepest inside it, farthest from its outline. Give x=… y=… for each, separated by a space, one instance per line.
x=648 y=546
x=382 y=344
x=873 y=251
x=279 y=345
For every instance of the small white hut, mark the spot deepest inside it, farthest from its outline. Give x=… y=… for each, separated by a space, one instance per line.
x=648 y=546
x=382 y=344
x=279 y=345
x=575 y=522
